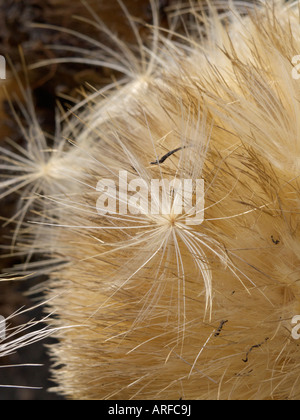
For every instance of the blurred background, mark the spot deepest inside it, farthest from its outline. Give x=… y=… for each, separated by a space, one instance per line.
x=46 y=84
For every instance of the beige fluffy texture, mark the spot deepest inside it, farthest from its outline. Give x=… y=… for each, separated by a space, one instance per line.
x=167 y=310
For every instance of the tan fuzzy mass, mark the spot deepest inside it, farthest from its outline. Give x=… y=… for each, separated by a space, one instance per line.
x=196 y=304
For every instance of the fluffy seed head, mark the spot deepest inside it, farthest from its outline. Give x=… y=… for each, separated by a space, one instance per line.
x=171 y=309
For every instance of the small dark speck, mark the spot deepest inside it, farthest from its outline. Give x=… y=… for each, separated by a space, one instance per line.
x=275 y=241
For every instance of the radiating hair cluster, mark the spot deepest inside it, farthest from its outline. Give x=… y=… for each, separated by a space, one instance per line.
x=163 y=308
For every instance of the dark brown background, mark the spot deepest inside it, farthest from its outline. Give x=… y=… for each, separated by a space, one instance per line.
x=46 y=85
